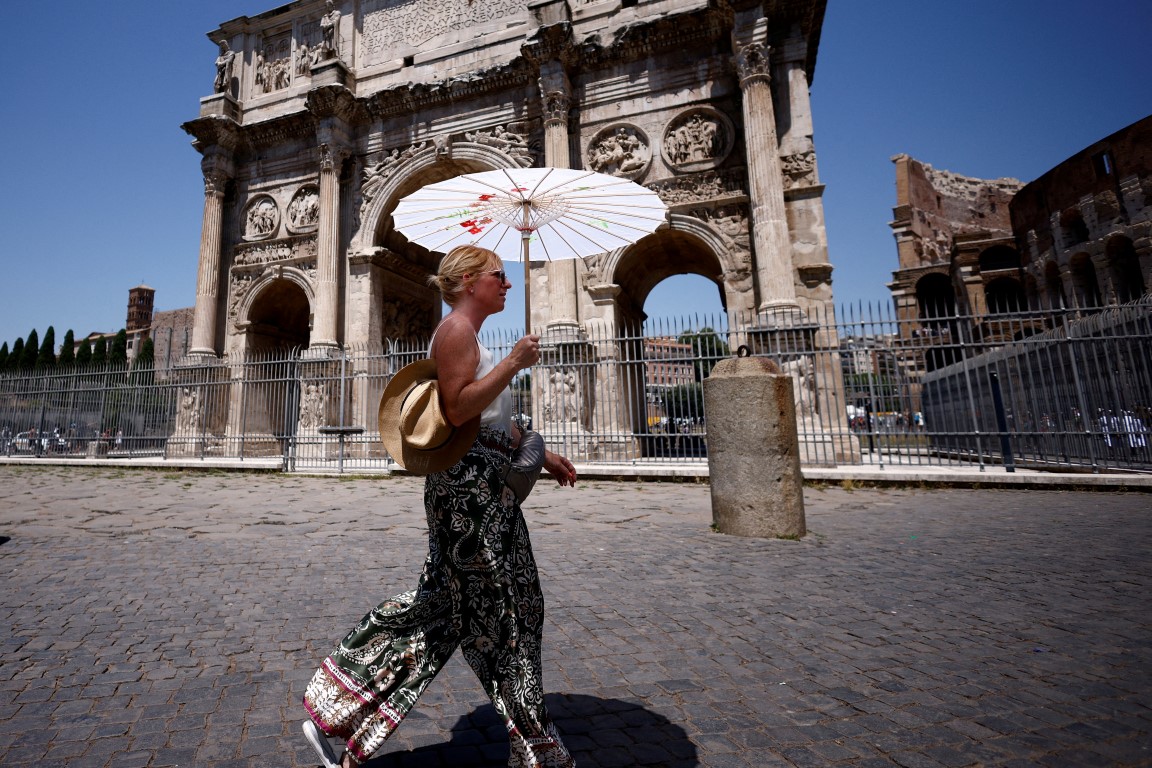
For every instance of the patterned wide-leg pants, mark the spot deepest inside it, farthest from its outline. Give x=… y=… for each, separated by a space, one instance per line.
x=479 y=590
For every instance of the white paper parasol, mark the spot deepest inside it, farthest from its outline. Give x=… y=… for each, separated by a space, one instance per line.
x=525 y=214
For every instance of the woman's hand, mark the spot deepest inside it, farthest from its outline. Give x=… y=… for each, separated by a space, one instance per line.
x=526 y=353
x=560 y=468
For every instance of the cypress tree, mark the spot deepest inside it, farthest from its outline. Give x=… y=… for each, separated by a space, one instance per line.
x=67 y=350
x=17 y=354
x=31 y=350
x=118 y=354
x=46 y=360
x=4 y=357
x=100 y=352
x=146 y=358
x=144 y=365
x=84 y=354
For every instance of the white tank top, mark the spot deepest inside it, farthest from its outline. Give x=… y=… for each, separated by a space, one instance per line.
x=498 y=414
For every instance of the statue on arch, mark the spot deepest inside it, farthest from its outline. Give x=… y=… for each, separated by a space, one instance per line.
x=329 y=26
x=224 y=64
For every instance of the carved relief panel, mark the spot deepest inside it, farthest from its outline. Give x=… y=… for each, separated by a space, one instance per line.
x=619 y=150
x=304 y=210
x=799 y=170
x=697 y=139
x=309 y=48
x=261 y=218
x=512 y=141
x=392 y=29
x=273 y=70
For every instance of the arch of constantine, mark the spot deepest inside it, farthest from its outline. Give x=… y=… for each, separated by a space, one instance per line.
x=325 y=115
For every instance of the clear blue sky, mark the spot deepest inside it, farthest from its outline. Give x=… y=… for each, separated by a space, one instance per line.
x=102 y=189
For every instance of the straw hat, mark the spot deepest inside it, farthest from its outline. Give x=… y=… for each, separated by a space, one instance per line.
x=413 y=426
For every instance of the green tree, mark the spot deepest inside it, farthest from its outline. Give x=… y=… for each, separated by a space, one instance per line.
x=16 y=356
x=67 y=350
x=100 y=351
x=31 y=350
x=84 y=353
x=46 y=360
x=685 y=401
x=118 y=354
x=4 y=357
x=144 y=365
x=707 y=347
x=146 y=357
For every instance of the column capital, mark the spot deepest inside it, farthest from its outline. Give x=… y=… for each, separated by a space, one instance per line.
x=215 y=183
x=332 y=155
x=753 y=62
x=217 y=168
x=556 y=107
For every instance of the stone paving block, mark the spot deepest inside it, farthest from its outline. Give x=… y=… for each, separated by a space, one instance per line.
x=660 y=634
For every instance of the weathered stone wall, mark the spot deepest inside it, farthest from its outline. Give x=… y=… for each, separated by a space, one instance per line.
x=326 y=114
x=1096 y=205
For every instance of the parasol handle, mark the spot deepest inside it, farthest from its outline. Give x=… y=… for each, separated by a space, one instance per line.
x=525 y=234
x=527 y=285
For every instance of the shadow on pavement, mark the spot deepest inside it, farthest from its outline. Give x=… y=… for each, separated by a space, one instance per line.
x=598 y=732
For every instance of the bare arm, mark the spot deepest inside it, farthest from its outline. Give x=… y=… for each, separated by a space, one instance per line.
x=457 y=354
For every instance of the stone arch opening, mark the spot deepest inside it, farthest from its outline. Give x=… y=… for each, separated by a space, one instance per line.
x=940 y=333
x=999 y=257
x=637 y=270
x=389 y=296
x=1054 y=285
x=1085 y=282
x=657 y=257
x=1075 y=230
x=1127 y=279
x=1004 y=295
x=935 y=297
x=278 y=318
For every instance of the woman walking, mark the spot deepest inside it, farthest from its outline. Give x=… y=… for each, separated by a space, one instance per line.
x=479 y=589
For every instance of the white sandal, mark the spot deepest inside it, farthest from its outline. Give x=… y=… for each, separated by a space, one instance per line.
x=319 y=742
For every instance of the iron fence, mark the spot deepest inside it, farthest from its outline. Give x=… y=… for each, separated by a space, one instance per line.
x=1055 y=389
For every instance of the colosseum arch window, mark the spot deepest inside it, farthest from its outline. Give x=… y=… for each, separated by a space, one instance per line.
x=1084 y=280
x=1054 y=286
x=1127 y=280
x=999 y=257
x=1004 y=295
x=935 y=297
x=1075 y=230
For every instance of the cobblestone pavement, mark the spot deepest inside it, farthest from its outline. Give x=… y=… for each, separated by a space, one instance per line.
x=153 y=618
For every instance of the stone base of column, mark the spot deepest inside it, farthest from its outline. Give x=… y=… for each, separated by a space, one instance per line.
x=783 y=330
x=330 y=72
x=321 y=351
x=220 y=104
x=563 y=332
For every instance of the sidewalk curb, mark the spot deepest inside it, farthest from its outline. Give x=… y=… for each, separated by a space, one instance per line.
x=992 y=477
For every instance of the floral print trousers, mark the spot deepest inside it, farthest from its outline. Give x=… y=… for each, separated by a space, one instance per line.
x=479 y=590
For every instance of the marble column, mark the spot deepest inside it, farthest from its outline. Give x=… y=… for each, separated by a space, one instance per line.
x=797 y=136
x=218 y=169
x=325 y=313
x=555 y=90
x=774 y=270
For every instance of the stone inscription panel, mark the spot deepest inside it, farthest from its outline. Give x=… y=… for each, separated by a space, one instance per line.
x=396 y=28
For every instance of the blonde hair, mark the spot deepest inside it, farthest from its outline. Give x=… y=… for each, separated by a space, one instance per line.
x=471 y=260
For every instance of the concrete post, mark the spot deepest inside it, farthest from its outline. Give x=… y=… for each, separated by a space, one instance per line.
x=753 y=451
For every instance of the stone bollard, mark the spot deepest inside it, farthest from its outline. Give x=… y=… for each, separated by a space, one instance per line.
x=753 y=451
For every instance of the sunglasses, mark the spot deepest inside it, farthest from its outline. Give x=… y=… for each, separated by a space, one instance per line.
x=500 y=274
